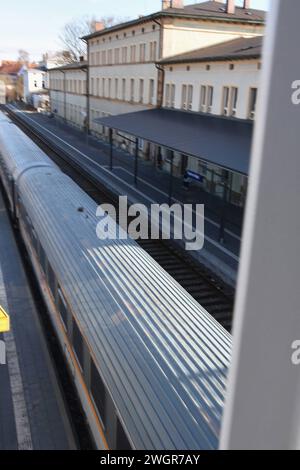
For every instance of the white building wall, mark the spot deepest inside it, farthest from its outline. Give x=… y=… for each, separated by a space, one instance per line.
x=68 y=95
x=34 y=82
x=244 y=76
x=182 y=35
x=108 y=61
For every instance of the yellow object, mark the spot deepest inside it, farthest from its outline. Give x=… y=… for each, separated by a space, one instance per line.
x=4 y=321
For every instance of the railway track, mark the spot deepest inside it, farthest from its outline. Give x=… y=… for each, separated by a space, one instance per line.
x=212 y=293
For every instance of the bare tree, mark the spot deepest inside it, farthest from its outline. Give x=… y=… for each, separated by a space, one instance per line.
x=76 y=29
x=23 y=56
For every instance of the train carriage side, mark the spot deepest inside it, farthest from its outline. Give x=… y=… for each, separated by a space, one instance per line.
x=149 y=362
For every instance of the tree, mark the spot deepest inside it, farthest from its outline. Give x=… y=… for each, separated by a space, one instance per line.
x=73 y=32
x=23 y=56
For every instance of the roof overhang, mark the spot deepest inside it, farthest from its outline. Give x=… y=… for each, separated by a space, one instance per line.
x=220 y=141
x=167 y=14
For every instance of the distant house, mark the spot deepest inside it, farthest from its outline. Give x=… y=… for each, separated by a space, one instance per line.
x=9 y=74
x=34 y=82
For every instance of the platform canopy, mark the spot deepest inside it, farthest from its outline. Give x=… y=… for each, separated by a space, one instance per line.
x=221 y=141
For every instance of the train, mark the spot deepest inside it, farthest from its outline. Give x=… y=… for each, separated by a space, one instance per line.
x=148 y=362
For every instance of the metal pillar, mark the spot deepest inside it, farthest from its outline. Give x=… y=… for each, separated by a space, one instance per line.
x=263 y=408
x=136 y=159
x=111 y=149
x=171 y=180
x=223 y=210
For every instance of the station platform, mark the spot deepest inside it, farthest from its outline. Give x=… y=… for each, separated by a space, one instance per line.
x=152 y=188
x=32 y=412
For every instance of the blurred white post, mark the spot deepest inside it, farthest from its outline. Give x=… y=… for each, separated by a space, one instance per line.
x=263 y=399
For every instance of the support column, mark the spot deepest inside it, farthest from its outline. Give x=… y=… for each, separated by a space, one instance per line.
x=171 y=180
x=263 y=408
x=111 y=149
x=136 y=159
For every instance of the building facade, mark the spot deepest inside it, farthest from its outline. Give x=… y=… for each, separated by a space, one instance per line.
x=9 y=75
x=122 y=60
x=34 y=83
x=220 y=80
x=68 y=93
x=174 y=58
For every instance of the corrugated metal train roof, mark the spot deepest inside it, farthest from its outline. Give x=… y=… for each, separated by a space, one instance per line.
x=162 y=357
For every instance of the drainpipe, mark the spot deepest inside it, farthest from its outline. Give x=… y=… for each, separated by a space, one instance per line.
x=161 y=71
x=65 y=96
x=87 y=88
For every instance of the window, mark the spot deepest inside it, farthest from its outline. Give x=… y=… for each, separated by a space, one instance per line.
x=234 y=99
x=173 y=96
x=203 y=98
x=132 y=89
x=141 y=91
x=167 y=102
x=142 y=52
x=62 y=307
x=51 y=280
x=116 y=88
x=252 y=103
x=184 y=97
x=225 y=106
x=122 y=439
x=117 y=56
x=103 y=58
x=92 y=86
x=190 y=97
x=103 y=87
x=109 y=57
x=151 y=91
x=230 y=97
x=98 y=392
x=133 y=54
x=78 y=343
x=109 y=88
x=43 y=260
x=210 y=97
x=124 y=55
x=98 y=86
x=34 y=240
x=124 y=89
x=153 y=51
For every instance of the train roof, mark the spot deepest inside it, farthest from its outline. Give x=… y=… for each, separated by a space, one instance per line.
x=162 y=357
x=17 y=150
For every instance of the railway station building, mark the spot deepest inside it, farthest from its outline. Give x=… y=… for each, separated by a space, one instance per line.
x=68 y=92
x=200 y=59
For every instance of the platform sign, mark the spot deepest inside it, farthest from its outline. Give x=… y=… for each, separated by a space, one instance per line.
x=195 y=176
x=4 y=321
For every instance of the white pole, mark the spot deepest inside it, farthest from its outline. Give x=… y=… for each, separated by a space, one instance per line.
x=263 y=399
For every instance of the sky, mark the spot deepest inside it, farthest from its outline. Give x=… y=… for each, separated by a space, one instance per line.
x=35 y=25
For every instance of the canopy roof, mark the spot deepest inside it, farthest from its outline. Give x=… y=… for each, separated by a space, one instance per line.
x=221 y=141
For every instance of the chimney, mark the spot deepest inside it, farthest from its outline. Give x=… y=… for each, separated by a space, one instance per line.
x=172 y=4
x=98 y=25
x=246 y=4
x=230 y=8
